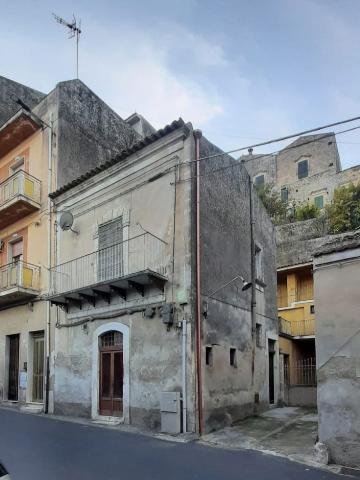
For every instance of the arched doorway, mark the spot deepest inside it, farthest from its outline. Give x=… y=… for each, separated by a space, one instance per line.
x=111 y=373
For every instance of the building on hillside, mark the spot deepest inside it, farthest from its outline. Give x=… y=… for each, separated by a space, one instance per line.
x=336 y=273
x=43 y=145
x=306 y=171
x=155 y=323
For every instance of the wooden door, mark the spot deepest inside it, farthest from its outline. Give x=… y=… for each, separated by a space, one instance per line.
x=13 y=367
x=111 y=376
x=38 y=368
x=271 y=371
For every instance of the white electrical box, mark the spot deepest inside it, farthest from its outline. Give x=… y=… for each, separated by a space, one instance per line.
x=170 y=408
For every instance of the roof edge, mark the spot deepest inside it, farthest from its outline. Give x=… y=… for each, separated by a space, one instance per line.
x=139 y=145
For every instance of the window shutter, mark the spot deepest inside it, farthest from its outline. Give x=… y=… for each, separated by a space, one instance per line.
x=17 y=249
x=110 y=233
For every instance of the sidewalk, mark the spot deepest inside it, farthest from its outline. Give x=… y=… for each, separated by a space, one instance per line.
x=289 y=431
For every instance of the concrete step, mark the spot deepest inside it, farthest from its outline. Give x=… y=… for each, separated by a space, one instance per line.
x=108 y=421
x=32 y=408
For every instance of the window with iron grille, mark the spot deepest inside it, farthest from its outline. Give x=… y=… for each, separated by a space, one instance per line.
x=111 y=339
x=303 y=169
x=111 y=250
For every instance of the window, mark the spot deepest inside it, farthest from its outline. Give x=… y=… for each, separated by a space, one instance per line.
x=18 y=165
x=110 y=250
x=259 y=180
x=209 y=356
x=319 y=202
x=16 y=250
x=233 y=357
x=284 y=194
x=312 y=309
x=303 y=169
x=258 y=335
x=259 y=272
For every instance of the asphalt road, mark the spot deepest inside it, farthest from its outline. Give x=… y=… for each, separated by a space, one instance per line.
x=41 y=448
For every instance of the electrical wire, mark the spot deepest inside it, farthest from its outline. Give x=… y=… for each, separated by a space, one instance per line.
x=261 y=155
x=280 y=139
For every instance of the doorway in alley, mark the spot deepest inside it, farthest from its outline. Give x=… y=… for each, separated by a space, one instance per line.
x=38 y=367
x=13 y=367
x=271 y=371
x=111 y=376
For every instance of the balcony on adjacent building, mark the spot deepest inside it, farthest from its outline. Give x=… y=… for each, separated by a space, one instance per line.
x=19 y=196
x=297 y=328
x=19 y=281
x=127 y=268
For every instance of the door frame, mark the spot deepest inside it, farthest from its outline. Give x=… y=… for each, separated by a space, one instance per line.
x=8 y=366
x=124 y=329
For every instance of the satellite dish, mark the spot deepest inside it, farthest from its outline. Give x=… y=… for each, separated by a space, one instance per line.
x=66 y=221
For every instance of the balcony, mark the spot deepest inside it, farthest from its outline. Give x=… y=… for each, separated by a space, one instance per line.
x=18 y=281
x=19 y=196
x=127 y=268
x=297 y=328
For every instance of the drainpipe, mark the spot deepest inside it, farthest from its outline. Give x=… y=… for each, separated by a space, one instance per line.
x=253 y=279
x=197 y=136
x=48 y=312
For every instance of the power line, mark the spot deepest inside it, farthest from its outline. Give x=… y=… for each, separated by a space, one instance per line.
x=280 y=139
x=261 y=155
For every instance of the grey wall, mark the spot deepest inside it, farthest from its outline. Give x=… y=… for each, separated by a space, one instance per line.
x=10 y=90
x=338 y=353
x=89 y=131
x=225 y=253
x=301 y=396
x=297 y=241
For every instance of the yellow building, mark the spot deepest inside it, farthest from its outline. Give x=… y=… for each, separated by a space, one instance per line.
x=24 y=234
x=296 y=312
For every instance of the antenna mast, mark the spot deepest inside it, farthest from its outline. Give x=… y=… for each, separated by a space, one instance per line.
x=74 y=31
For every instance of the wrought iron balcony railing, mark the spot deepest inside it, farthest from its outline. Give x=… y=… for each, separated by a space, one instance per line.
x=19 y=275
x=144 y=253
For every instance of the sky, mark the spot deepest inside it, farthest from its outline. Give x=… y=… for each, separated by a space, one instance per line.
x=243 y=71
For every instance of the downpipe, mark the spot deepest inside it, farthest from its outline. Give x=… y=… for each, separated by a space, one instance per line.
x=48 y=307
x=197 y=136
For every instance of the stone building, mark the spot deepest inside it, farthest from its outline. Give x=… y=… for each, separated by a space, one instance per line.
x=336 y=280
x=155 y=322
x=43 y=145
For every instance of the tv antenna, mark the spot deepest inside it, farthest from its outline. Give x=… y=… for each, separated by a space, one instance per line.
x=74 y=31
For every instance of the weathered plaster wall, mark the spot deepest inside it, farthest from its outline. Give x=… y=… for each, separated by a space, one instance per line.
x=10 y=90
x=155 y=351
x=229 y=391
x=20 y=320
x=338 y=354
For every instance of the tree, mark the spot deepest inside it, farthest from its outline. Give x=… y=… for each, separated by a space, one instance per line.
x=344 y=210
x=271 y=200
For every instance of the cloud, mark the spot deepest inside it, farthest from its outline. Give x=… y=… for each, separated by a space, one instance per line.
x=143 y=71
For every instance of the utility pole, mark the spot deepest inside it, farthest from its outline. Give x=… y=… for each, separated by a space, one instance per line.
x=74 y=31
